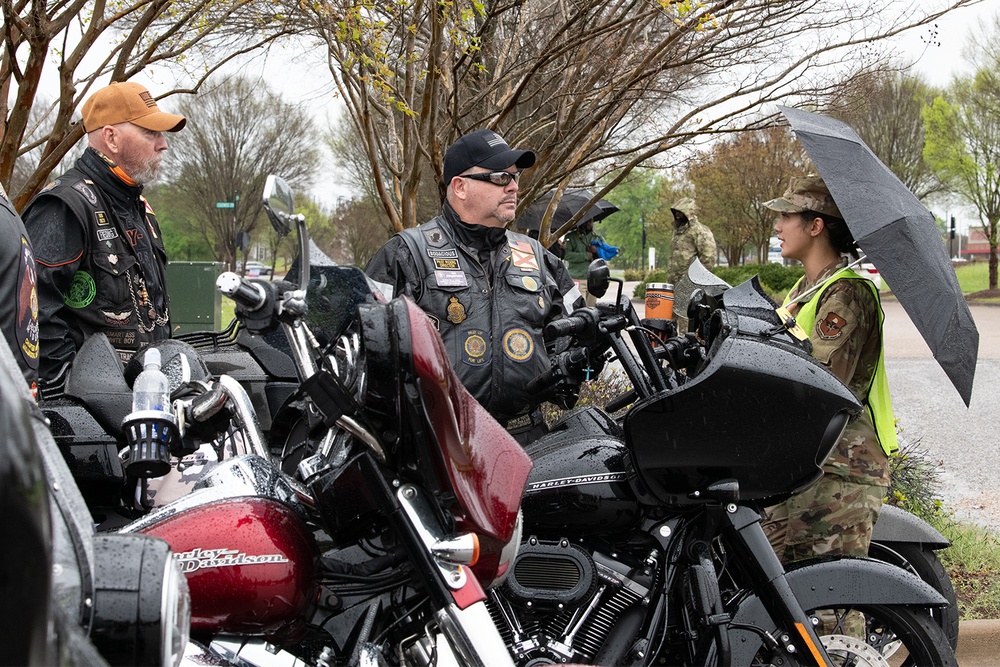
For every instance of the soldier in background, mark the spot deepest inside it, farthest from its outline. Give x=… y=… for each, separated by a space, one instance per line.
x=691 y=239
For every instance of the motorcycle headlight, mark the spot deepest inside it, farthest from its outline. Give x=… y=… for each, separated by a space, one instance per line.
x=142 y=609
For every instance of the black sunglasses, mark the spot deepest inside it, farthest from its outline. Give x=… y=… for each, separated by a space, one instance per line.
x=501 y=178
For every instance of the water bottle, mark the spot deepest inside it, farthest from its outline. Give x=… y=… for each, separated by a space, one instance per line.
x=151 y=391
x=150 y=427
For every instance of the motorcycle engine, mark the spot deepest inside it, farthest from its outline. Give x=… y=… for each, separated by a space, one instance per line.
x=561 y=603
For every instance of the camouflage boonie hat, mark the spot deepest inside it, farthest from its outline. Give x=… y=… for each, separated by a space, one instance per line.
x=806 y=194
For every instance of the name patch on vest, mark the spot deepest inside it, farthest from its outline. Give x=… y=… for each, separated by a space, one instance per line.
x=448 y=253
x=450 y=279
x=448 y=264
x=106 y=234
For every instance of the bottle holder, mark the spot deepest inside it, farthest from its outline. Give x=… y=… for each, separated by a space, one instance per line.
x=149 y=436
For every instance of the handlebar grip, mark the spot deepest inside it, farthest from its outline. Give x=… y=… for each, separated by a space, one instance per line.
x=542 y=382
x=244 y=292
x=565 y=326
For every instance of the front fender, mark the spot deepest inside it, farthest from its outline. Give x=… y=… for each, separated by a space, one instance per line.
x=829 y=584
x=895 y=525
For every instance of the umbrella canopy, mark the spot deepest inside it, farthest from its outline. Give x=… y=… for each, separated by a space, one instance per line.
x=900 y=237
x=571 y=202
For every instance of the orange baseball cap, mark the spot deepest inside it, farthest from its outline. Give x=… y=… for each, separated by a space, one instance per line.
x=127 y=102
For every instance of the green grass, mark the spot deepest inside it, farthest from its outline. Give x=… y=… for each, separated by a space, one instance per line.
x=973 y=563
x=973 y=277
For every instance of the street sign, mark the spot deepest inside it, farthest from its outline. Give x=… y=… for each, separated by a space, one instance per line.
x=225 y=204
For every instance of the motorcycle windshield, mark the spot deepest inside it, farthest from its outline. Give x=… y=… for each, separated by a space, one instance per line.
x=487 y=468
x=760 y=411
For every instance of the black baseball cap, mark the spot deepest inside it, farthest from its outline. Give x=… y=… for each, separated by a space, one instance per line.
x=483 y=148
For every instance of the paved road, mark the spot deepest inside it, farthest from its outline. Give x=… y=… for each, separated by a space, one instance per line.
x=964 y=440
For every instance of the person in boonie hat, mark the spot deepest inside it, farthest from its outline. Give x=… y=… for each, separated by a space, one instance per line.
x=806 y=194
x=99 y=252
x=840 y=312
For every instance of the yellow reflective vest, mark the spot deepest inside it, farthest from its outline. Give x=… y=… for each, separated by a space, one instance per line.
x=876 y=400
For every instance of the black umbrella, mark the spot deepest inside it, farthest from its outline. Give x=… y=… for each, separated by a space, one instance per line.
x=571 y=202
x=900 y=237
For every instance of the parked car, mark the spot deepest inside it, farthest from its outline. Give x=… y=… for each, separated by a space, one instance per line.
x=868 y=270
x=254 y=269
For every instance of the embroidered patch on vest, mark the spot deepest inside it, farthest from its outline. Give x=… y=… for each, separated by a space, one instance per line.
x=82 y=290
x=449 y=253
x=106 y=234
x=523 y=255
x=27 y=307
x=117 y=319
x=102 y=219
x=517 y=345
x=87 y=193
x=831 y=327
x=434 y=237
x=475 y=347
x=446 y=264
x=456 y=311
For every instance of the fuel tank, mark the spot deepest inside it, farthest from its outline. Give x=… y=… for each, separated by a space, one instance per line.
x=580 y=482
x=250 y=565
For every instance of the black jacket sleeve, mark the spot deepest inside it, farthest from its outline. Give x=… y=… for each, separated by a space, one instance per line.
x=58 y=241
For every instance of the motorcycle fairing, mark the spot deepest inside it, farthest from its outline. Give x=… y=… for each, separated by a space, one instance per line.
x=830 y=584
x=756 y=398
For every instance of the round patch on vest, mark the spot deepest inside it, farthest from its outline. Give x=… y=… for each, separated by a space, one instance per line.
x=831 y=327
x=82 y=290
x=475 y=347
x=529 y=283
x=517 y=345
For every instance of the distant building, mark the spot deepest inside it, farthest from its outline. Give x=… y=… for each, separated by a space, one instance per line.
x=976 y=246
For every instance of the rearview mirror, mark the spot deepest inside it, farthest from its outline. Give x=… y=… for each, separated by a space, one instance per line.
x=279 y=204
x=598 y=278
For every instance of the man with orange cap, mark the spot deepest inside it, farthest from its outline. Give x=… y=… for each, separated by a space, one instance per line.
x=100 y=256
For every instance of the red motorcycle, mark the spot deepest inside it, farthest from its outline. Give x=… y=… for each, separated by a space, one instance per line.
x=377 y=549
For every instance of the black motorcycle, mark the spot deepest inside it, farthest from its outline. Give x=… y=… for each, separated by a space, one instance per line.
x=644 y=542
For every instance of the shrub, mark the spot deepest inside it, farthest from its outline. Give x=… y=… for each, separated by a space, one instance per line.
x=914 y=481
x=774 y=278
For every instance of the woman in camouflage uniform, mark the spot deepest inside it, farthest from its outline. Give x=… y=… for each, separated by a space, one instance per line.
x=842 y=314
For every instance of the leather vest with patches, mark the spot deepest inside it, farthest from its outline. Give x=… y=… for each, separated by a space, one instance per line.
x=112 y=292
x=490 y=318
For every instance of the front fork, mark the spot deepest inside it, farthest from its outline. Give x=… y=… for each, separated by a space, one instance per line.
x=742 y=527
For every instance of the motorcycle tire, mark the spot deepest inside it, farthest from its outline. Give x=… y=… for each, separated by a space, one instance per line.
x=899 y=635
x=925 y=563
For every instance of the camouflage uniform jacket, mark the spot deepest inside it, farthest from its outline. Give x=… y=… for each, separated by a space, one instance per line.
x=690 y=240
x=846 y=339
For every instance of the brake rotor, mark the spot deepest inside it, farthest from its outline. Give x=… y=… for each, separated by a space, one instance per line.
x=852 y=650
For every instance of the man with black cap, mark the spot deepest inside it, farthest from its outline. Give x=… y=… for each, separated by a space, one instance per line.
x=489 y=291
x=100 y=256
